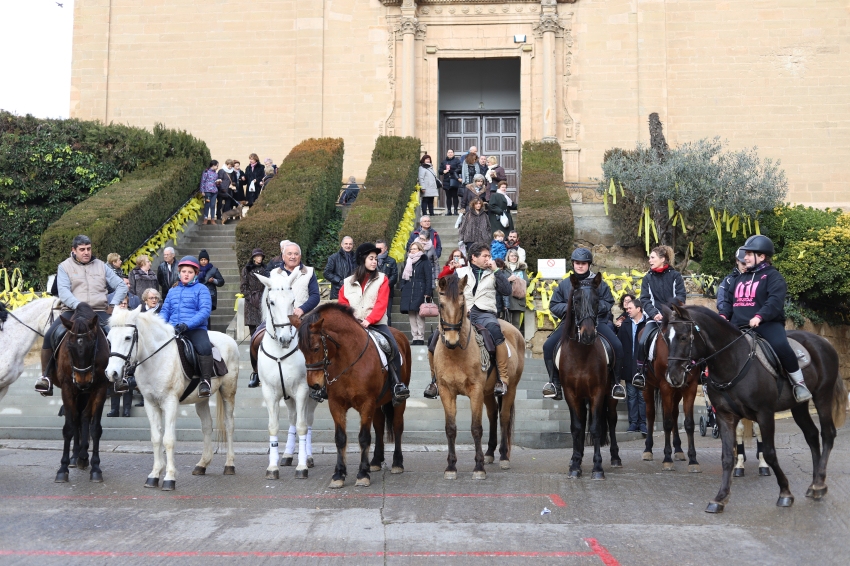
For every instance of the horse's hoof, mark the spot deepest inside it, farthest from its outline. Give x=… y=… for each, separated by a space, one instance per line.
x=694 y=469
x=449 y=475
x=286 y=460
x=61 y=477
x=668 y=467
x=715 y=507
x=397 y=470
x=810 y=492
x=597 y=476
x=489 y=459
x=764 y=471
x=818 y=493
x=272 y=474
x=647 y=457
x=73 y=462
x=616 y=463
x=83 y=463
x=336 y=484
x=96 y=477
x=374 y=468
x=301 y=474
x=199 y=471
x=575 y=474
x=479 y=475
x=310 y=462
x=363 y=482
x=152 y=482
x=785 y=501
x=738 y=473
x=169 y=485
x=505 y=464
x=230 y=470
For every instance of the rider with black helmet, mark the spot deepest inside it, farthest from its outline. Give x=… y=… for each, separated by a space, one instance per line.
x=758 y=301
x=581 y=258
x=724 y=295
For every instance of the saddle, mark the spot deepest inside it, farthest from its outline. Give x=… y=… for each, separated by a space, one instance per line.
x=768 y=358
x=59 y=334
x=189 y=359
x=609 y=353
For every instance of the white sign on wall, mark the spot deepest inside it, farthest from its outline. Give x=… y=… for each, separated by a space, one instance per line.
x=552 y=268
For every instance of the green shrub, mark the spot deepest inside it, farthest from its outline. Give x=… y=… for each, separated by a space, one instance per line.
x=327 y=243
x=391 y=177
x=297 y=203
x=49 y=166
x=123 y=216
x=545 y=218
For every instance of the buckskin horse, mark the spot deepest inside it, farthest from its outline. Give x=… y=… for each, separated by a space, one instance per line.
x=740 y=386
x=341 y=356
x=457 y=364
x=583 y=369
x=80 y=374
x=144 y=344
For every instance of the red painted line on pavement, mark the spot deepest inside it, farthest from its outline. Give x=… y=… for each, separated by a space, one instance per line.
x=601 y=552
x=556 y=500
x=260 y=554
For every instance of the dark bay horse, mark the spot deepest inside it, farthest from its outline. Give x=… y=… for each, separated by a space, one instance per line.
x=457 y=365
x=82 y=358
x=340 y=355
x=583 y=370
x=740 y=387
x=670 y=397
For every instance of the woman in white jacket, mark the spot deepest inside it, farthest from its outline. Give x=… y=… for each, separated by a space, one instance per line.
x=428 y=183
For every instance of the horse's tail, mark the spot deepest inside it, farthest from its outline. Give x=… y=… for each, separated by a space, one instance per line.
x=389 y=417
x=839 y=402
x=220 y=429
x=602 y=419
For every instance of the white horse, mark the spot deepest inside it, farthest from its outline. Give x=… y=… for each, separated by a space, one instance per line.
x=281 y=365
x=145 y=340
x=17 y=334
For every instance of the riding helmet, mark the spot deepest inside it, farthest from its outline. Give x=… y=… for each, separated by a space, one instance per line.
x=759 y=244
x=741 y=254
x=363 y=250
x=582 y=254
x=190 y=261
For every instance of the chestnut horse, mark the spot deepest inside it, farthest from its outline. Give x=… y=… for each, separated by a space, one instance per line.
x=81 y=362
x=457 y=366
x=341 y=356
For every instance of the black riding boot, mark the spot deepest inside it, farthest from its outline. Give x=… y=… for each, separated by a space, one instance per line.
x=44 y=384
x=618 y=392
x=432 y=391
x=255 y=380
x=552 y=390
x=206 y=363
x=400 y=390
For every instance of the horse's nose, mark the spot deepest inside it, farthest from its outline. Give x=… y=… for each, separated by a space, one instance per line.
x=315 y=387
x=112 y=375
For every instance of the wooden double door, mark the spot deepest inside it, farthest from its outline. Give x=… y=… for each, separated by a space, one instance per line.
x=492 y=133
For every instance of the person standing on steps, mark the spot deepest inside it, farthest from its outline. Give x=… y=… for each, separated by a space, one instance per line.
x=416 y=285
x=582 y=258
x=209 y=189
x=450 y=170
x=425 y=226
x=429 y=184
x=142 y=277
x=252 y=289
x=225 y=188
x=388 y=267
x=629 y=326
x=254 y=174
x=211 y=277
x=166 y=273
x=340 y=265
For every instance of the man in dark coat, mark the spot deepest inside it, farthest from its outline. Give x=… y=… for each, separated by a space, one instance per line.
x=388 y=267
x=629 y=326
x=167 y=273
x=425 y=225
x=340 y=265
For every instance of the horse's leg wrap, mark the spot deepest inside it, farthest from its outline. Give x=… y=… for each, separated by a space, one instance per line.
x=290 y=442
x=309 y=447
x=274 y=453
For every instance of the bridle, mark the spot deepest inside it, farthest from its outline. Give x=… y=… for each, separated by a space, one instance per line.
x=586 y=312
x=691 y=363
x=129 y=368
x=325 y=362
x=74 y=369
x=453 y=327
x=274 y=325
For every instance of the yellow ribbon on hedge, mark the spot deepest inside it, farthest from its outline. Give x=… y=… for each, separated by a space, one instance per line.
x=12 y=294
x=399 y=246
x=177 y=223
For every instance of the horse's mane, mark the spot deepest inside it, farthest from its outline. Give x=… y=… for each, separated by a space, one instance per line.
x=314 y=316
x=452 y=289
x=148 y=320
x=83 y=312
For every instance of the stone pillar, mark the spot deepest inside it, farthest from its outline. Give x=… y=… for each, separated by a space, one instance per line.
x=549 y=28
x=411 y=30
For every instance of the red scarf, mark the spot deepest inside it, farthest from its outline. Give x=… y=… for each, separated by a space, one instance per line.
x=661 y=269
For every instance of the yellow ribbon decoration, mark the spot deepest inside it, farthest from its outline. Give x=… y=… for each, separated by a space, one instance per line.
x=12 y=294
x=177 y=223
x=399 y=245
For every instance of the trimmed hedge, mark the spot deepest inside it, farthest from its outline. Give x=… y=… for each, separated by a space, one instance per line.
x=49 y=166
x=123 y=216
x=297 y=203
x=545 y=219
x=390 y=179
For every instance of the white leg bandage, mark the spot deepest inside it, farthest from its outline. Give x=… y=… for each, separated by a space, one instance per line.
x=309 y=441
x=274 y=455
x=290 y=441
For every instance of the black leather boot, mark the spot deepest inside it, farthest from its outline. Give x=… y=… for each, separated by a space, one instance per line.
x=431 y=392
x=400 y=390
x=618 y=392
x=255 y=380
x=44 y=384
x=552 y=390
x=206 y=363
x=319 y=395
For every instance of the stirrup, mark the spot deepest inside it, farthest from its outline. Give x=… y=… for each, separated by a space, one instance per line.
x=639 y=381
x=801 y=393
x=39 y=386
x=319 y=395
x=618 y=392
x=432 y=391
x=501 y=388
x=204 y=392
x=400 y=391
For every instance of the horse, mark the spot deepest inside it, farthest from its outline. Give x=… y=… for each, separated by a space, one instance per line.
x=18 y=331
x=740 y=387
x=457 y=364
x=144 y=344
x=283 y=374
x=748 y=429
x=81 y=360
x=584 y=374
x=342 y=357
x=670 y=397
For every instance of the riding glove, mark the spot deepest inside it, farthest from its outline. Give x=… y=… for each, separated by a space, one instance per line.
x=181 y=328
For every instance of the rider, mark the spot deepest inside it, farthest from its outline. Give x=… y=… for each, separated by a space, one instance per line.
x=81 y=278
x=662 y=285
x=368 y=293
x=581 y=258
x=484 y=282
x=724 y=296
x=759 y=301
x=187 y=307
x=305 y=287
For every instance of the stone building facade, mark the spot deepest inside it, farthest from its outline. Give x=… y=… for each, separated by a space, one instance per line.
x=261 y=75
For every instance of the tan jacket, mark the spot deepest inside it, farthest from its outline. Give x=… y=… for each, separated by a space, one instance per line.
x=88 y=284
x=485 y=295
x=362 y=300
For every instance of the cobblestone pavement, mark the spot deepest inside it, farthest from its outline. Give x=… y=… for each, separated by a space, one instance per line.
x=638 y=515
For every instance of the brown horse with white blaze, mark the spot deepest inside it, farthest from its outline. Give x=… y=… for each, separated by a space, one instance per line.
x=457 y=366
x=341 y=356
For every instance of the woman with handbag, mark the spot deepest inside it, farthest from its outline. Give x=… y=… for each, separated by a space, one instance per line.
x=417 y=281
x=518 y=277
x=429 y=183
x=499 y=209
x=252 y=289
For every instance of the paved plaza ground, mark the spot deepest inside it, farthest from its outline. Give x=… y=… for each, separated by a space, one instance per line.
x=638 y=515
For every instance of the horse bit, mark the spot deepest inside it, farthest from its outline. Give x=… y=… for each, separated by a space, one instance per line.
x=325 y=362
x=129 y=369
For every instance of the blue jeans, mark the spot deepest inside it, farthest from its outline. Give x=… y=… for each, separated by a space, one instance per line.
x=209 y=205
x=637 y=407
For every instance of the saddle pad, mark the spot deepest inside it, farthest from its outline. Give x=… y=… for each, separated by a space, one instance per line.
x=380 y=349
x=189 y=360
x=650 y=356
x=606 y=346
x=768 y=358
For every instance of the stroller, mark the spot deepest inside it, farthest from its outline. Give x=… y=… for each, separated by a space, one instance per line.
x=710 y=418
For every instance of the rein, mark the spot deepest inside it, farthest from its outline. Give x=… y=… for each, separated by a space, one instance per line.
x=49 y=322
x=455 y=327
x=326 y=362
x=130 y=367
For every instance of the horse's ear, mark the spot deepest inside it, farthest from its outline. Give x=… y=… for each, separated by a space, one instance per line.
x=264 y=280
x=574 y=280
x=597 y=280
x=94 y=322
x=316 y=327
x=441 y=283
x=462 y=283
x=679 y=309
x=295 y=321
x=66 y=321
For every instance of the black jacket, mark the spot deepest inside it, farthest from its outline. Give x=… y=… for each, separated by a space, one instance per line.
x=219 y=282
x=419 y=286
x=451 y=179
x=389 y=267
x=624 y=333
x=558 y=303
x=166 y=280
x=255 y=173
x=724 y=297
x=759 y=292
x=435 y=240
x=663 y=288
x=340 y=265
x=498 y=205
x=467 y=195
